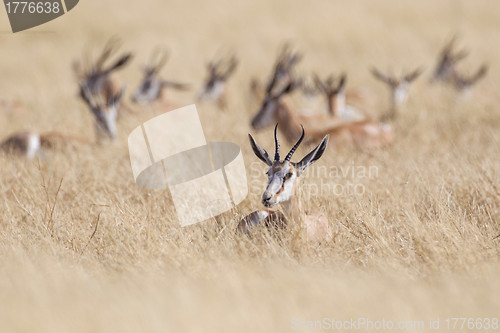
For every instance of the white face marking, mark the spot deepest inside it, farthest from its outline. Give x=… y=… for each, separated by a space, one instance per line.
x=400 y=93
x=212 y=93
x=106 y=124
x=340 y=102
x=280 y=188
x=33 y=145
x=148 y=91
x=111 y=116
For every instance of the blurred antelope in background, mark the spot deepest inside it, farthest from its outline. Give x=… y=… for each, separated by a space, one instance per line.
x=214 y=88
x=283 y=189
x=274 y=105
x=446 y=70
x=105 y=112
x=96 y=78
x=31 y=144
x=447 y=60
x=283 y=69
x=334 y=91
x=275 y=108
x=152 y=88
x=399 y=88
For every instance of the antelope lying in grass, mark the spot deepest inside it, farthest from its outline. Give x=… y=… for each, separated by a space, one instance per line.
x=447 y=72
x=105 y=112
x=334 y=91
x=32 y=144
x=97 y=78
x=219 y=71
x=362 y=134
x=272 y=98
x=152 y=89
x=399 y=88
x=447 y=61
x=283 y=189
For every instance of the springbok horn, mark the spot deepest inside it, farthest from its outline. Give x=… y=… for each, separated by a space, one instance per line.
x=294 y=148
x=277 y=144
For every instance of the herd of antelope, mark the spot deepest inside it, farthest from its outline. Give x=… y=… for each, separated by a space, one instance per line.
x=335 y=120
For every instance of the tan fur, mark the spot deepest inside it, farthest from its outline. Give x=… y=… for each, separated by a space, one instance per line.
x=362 y=134
x=314 y=223
x=30 y=144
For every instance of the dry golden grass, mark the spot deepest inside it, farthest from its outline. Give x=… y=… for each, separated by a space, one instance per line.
x=83 y=249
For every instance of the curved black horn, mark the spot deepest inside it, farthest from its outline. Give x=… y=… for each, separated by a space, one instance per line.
x=277 y=144
x=294 y=148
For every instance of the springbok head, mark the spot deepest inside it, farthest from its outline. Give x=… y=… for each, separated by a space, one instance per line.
x=219 y=71
x=447 y=61
x=334 y=91
x=95 y=75
x=283 y=70
x=152 y=84
x=268 y=112
x=281 y=83
x=283 y=175
x=399 y=86
x=105 y=112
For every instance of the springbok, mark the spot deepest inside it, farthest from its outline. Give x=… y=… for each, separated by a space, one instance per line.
x=152 y=87
x=219 y=72
x=283 y=69
x=105 y=112
x=335 y=93
x=447 y=72
x=97 y=78
x=283 y=189
x=31 y=144
x=275 y=89
x=362 y=134
x=399 y=88
x=447 y=61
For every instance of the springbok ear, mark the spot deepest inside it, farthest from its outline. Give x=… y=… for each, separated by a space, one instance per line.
x=288 y=88
x=85 y=95
x=319 y=84
x=379 y=75
x=312 y=157
x=482 y=71
x=410 y=77
x=118 y=98
x=260 y=152
x=120 y=63
x=343 y=80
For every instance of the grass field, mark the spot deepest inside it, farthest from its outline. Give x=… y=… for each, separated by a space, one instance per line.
x=83 y=249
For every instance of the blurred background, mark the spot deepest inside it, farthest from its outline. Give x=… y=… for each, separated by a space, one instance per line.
x=83 y=249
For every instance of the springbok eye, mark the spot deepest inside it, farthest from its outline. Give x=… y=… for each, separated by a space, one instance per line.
x=288 y=175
